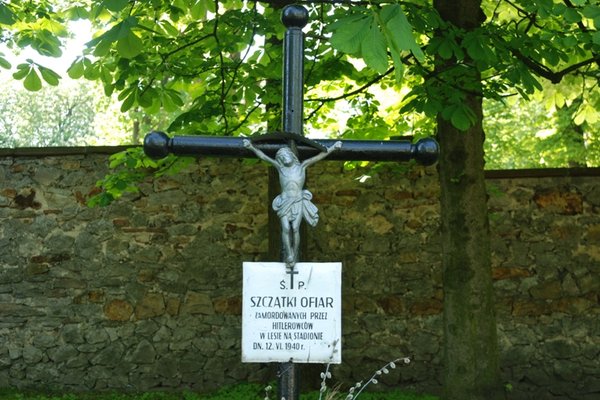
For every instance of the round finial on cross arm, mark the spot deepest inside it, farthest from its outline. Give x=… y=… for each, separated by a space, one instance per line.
x=294 y=16
x=156 y=145
x=426 y=151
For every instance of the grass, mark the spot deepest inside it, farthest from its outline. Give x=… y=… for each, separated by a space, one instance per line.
x=237 y=392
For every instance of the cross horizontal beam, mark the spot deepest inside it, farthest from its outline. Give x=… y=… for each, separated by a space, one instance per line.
x=425 y=151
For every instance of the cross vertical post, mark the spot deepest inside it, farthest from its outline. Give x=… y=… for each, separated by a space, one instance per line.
x=294 y=17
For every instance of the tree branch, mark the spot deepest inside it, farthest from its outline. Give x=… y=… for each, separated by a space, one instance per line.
x=346 y=95
x=545 y=72
x=244 y=120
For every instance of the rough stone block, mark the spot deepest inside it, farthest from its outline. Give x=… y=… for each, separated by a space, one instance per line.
x=96 y=336
x=62 y=353
x=151 y=305
x=527 y=308
x=118 y=310
x=142 y=353
x=561 y=348
x=19 y=310
x=32 y=355
x=547 y=290
x=426 y=307
x=228 y=305
x=561 y=201
x=392 y=305
x=110 y=355
x=500 y=273
x=197 y=303
x=173 y=305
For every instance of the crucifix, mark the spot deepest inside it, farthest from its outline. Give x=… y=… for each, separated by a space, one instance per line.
x=291 y=154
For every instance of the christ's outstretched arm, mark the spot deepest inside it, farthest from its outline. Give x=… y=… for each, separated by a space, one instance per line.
x=336 y=146
x=259 y=153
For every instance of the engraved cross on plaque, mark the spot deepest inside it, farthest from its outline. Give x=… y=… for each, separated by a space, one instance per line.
x=284 y=151
x=292 y=271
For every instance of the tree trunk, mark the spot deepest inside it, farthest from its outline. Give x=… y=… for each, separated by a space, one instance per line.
x=471 y=368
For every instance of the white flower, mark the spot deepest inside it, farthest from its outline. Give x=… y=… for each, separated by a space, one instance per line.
x=392 y=365
x=375 y=381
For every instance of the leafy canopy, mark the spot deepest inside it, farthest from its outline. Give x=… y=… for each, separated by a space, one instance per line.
x=225 y=55
x=216 y=65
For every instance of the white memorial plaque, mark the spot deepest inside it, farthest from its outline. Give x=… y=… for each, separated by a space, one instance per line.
x=292 y=316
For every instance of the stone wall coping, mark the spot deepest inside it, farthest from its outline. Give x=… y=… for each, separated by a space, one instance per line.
x=541 y=173
x=41 y=152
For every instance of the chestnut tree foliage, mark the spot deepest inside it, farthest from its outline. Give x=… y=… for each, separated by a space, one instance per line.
x=216 y=65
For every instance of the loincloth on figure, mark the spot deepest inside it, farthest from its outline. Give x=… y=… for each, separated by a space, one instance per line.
x=292 y=207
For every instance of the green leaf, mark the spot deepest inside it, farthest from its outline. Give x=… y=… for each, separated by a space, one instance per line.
x=51 y=77
x=175 y=97
x=118 y=31
x=128 y=102
x=7 y=17
x=147 y=98
x=477 y=47
x=76 y=69
x=569 y=41
x=168 y=28
x=401 y=30
x=22 y=71
x=115 y=5
x=130 y=46
x=445 y=49
x=349 y=32
x=102 y=48
x=586 y=113
x=32 y=81
x=461 y=118
x=77 y=12
x=101 y=199
x=591 y=12
x=571 y=15
x=4 y=63
x=126 y=93
x=199 y=9
x=374 y=49
x=46 y=43
x=93 y=71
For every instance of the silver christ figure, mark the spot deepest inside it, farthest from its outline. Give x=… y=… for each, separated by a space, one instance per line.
x=294 y=203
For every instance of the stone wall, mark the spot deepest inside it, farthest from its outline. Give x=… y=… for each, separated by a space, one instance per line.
x=146 y=293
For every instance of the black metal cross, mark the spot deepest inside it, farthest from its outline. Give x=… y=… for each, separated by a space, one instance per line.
x=425 y=151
